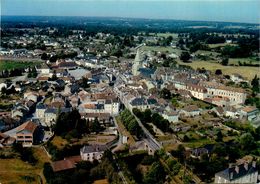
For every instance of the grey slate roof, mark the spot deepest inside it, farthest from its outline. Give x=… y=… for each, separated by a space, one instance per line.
x=93 y=148
x=236 y=172
x=138 y=101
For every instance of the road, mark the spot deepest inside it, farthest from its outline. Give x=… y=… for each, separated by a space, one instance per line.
x=151 y=140
x=153 y=143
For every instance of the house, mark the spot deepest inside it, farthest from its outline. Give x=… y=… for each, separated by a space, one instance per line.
x=51 y=114
x=19 y=111
x=40 y=109
x=250 y=112
x=198 y=152
x=92 y=152
x=139 y=103
x=171 y=116
x=26 y=133
x=6 y=140
x=43 y=69
x=190 y=111
x=197 y=91
x=62 y=165
x=236 y=78
x=232 y=112
x=243 y=173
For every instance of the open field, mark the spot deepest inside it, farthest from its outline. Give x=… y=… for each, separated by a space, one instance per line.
x=8 y=65
x=16 y=171
x=247 y=72
x=235 y=61
x=162 y=49
x=220 y=45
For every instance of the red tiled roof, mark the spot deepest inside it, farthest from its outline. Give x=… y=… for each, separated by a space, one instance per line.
x=29 y=126
x=62 y=165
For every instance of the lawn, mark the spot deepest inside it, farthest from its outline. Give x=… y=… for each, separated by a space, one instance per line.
x=162 y=49
x=220 y=45
x=16 y=171
x=247 y=72
x=8 y=65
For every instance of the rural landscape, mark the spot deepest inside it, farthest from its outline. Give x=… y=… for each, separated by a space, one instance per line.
x=101 y=100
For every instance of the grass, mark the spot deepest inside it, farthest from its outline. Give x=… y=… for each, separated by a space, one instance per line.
x=247 y=72
x=59 y=142
x=198 y=143
x=8 y=65
x=16 y=171
x=162 y=49
x=102 y=181
x=220 y=45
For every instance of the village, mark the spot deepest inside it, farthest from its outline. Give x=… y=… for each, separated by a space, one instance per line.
x=75 y=101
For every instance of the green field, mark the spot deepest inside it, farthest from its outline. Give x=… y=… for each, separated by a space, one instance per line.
x=162 y=49
x=247 y=72
x=8 y=65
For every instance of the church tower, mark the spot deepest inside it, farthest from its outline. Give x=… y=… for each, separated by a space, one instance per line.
x=137 y=63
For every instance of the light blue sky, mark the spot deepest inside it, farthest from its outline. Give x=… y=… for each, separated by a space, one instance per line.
x=209 y=10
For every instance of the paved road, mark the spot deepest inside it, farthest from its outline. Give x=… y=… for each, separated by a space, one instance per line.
x=153 y=143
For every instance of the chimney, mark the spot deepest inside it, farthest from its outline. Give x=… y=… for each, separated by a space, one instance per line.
x=254 y=164
x=237 y=169
x=246 y=165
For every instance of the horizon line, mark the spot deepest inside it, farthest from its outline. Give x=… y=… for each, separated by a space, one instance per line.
x=122 y=17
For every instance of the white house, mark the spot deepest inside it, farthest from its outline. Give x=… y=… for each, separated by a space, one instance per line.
x=190 y=111
x=92 y=152
x=172 y=116
x=243 y=173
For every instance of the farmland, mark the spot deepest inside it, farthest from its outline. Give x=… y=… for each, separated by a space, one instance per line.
x=9 y=65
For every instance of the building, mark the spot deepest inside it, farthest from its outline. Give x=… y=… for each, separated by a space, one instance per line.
x=235 y=95
x=40 y=109
x=51 y=114
x=190 y=111
x=43 y=69
x=251 y=113
x=92 y=152
x=243 y=173
x=26 y=133
x=171 y=116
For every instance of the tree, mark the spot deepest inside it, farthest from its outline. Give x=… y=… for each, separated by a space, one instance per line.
x=47 y=171
x=165 y=93
x=185 y=56
x=219 y=136
x=218 y=72
x=246 y=141
x=44 y=56
x=95 y=126
x=255 y=84
x=224 y=61
x=85 y=83
x=156 y=174
x=53 y=59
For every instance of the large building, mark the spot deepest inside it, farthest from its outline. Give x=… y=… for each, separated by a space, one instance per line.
x=243 y=173
x=26 y=133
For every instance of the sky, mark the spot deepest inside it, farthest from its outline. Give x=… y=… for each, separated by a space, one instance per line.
x=206 y=10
